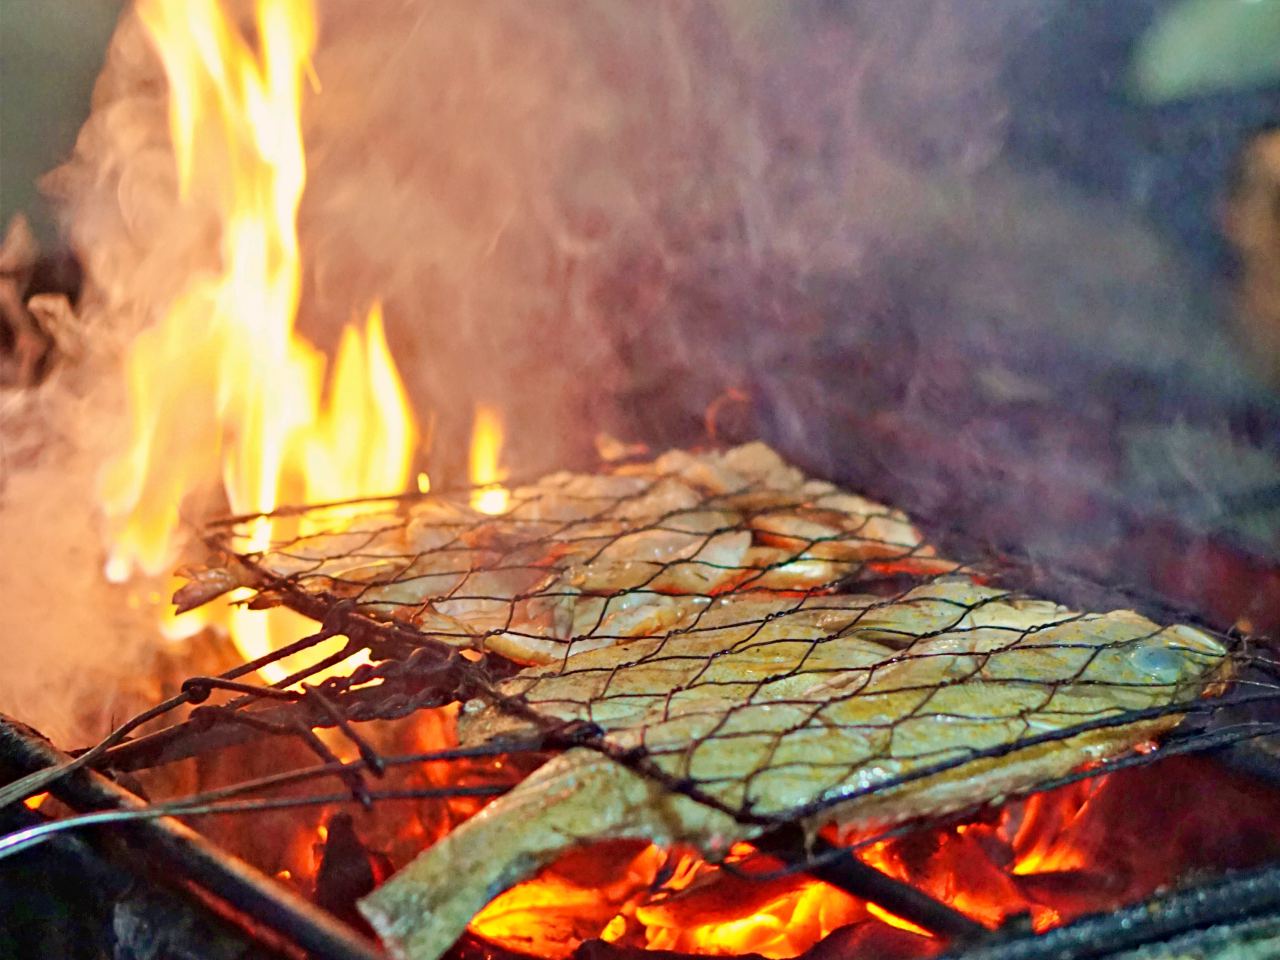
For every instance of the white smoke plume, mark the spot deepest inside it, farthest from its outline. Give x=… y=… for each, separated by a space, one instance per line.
x=531 y=188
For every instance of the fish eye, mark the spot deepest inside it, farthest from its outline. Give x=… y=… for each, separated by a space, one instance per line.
x=1163 y=663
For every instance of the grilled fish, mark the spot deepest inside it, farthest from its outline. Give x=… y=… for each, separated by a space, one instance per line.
x=845 y=710
x=581 y=561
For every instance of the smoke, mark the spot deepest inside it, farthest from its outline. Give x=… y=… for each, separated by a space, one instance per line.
x=566 y=205
x=80 y=654
x=603 y=214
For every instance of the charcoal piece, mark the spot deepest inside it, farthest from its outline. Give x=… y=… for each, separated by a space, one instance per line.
x=56 y=898
x=348 y=871
x=150 y=924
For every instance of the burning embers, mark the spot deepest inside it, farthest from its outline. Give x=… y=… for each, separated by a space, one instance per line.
x=1081 y=848
x=719 y=647
x=899 y=689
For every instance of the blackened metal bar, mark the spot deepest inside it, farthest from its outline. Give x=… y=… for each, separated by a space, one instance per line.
x=1236 y=897
x=185 y=740
x=171 y=845
x=825 y=862
x=199 y=735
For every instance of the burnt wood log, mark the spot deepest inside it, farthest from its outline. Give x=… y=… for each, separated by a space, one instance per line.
x=1182 y=916
x=167 y=850
x=63 y=899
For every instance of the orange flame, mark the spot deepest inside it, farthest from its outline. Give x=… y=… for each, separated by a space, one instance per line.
x=486 y=453
x=694 y=908
x=223 y=392
x=682 y=903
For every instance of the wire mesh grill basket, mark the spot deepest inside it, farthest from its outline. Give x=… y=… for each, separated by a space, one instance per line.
x=766 y=647
x=763 y=642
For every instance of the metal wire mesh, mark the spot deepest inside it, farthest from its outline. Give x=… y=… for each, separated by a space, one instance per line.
x=576 y=561
x=763 y=643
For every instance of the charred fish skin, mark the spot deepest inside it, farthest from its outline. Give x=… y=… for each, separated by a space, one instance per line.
x=573 y=799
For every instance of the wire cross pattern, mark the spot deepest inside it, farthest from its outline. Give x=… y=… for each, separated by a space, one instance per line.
x=762 y=642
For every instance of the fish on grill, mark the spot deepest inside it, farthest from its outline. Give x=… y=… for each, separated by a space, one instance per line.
x=849 y=710
x=579 y=561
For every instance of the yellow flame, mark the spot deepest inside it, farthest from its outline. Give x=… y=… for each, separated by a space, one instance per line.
x=692 y=909
x=486 y=455
x=893 y=920
x=223 y=392
x=362 y=440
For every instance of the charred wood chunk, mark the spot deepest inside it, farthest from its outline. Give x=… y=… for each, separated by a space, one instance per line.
x=348 y=871
x=151 y=924
x=55 y=899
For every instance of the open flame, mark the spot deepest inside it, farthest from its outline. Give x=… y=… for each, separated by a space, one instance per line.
x=486 y=470
x=1052 y=857
x=668 y=901
x=223 y=392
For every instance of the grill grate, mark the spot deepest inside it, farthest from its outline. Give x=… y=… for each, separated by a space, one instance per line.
x=667 y=605
x=768 y=646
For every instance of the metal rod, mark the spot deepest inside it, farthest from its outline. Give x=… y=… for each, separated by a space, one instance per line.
x=426 y=678
x=1238 y=896
x=860 y=880
x=170 y=845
